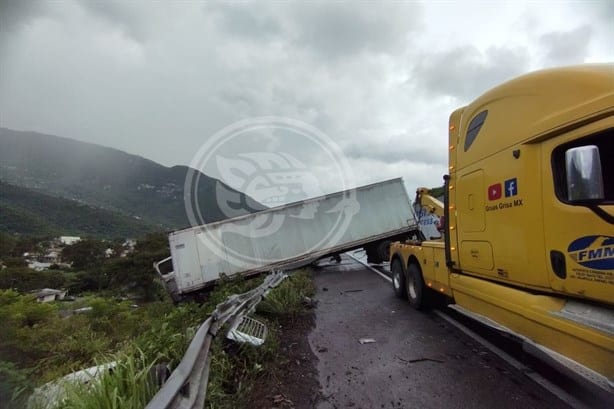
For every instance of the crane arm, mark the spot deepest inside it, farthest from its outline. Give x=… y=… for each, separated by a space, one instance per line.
x=426 y=201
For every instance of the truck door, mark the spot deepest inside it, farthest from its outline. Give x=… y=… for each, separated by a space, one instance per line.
x=499 y=207
x=186 y=262
x=579 y=211
x=475 y=252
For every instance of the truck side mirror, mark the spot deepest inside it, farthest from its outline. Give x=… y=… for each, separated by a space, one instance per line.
x=584 y=178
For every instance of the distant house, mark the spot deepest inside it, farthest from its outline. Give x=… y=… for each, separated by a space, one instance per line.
x=52 y=257
x=38 y=266
x=129 y=243
x=109 y=252
x=128 y=246
x=49 y=295
x=69 y=240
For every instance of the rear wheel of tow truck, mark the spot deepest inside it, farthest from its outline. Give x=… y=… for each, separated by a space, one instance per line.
x=398 y=279
x=416 y=291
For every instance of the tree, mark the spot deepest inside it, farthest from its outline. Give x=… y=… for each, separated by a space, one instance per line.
x=153 y=243
x=24 y=279
x=15 y=262
x=136 y=270
x=27 y=244
x=85 y=254
x=7 y=244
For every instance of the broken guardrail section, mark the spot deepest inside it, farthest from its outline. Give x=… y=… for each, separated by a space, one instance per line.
x=187 y=385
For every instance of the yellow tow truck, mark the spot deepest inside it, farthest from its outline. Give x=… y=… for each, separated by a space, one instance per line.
x=527 y=218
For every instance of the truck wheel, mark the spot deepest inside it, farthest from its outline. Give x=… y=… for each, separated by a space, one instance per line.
x=415 y=287
x=398 y=279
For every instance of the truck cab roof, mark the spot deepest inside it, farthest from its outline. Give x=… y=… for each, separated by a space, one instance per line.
x=534 y=107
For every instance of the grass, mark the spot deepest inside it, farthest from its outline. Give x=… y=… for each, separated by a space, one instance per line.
x=288 y=297
x=234 y=367
x=129 y=385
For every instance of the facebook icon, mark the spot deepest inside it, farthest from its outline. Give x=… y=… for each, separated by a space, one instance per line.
x=511 y=187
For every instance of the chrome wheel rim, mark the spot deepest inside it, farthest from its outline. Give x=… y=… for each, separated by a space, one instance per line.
x=411 y=287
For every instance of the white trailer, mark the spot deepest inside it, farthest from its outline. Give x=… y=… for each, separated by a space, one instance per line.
x=289 y=236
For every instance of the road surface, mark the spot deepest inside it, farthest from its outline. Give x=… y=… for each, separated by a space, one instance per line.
x=417 y=360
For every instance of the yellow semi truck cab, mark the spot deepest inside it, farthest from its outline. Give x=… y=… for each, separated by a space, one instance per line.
x=528 y=235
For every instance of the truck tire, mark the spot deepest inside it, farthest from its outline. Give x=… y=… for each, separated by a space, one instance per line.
x=398 y=279
x=416 y=291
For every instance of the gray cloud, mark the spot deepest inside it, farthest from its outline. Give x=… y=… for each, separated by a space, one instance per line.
x=159 y=79
x=249 y=21
x=465 y=72
x=125 y=15
x=602 y=10
x=567 y=47
x=397 y=150
x=344 y=29
x=16 y=13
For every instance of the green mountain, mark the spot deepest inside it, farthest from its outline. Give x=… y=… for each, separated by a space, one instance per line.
x=109 y=179
x=28 y=212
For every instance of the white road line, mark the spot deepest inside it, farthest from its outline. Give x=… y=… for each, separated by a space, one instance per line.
x=537 y=378
x=525 y=370
x=384 y=276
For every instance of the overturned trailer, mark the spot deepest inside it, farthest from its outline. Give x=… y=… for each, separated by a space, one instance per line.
x=289 y=236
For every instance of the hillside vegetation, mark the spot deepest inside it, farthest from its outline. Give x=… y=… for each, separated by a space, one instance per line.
x=28 y=212
x=122 y=314
x=107 y=178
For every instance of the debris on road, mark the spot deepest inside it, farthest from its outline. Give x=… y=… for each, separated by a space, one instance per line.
x=281 y=401
x=366 y=340
x=413 y=361
x=351 y=291
x=309 y=302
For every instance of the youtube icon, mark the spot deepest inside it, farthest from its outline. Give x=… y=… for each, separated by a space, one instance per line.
x=494 y=191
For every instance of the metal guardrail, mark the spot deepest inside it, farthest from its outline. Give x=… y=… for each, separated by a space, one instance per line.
x=187 y=385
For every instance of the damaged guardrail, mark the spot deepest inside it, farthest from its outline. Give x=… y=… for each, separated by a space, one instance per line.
x=187 y=385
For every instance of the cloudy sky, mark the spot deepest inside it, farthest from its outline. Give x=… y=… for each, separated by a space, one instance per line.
x=378 y=79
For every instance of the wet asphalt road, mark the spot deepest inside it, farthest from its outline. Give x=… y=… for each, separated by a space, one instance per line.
x=449 y=369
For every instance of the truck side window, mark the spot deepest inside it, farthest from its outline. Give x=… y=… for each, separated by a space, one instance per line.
x=474 y=128
x=604 y=141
